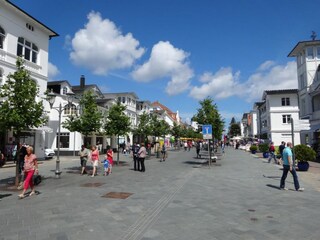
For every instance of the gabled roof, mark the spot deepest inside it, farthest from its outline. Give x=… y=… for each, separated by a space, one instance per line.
x=15 y=7
x=78 y=89
x=301 y=45
x=161 y=106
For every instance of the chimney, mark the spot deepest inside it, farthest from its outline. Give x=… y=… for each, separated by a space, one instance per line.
x=82 y=82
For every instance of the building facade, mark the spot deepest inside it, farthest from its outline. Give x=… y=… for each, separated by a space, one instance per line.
x=23 y=35
x=307 y=54
x=274 y=114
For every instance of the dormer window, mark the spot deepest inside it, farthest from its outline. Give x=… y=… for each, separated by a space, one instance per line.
x=64 y=90
x=27 y=50
x=310 y=54
x=2 y=37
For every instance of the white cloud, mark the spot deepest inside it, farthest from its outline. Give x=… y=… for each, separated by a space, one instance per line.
x=220 y=85
x=52 y=70
x=166 y=61
x=225 y=83
x=100 y=46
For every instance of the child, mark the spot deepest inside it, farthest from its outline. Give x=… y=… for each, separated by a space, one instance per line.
x=109 y=158
x=106 y=166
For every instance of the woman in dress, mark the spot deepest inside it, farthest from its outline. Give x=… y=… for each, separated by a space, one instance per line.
x=30 y=167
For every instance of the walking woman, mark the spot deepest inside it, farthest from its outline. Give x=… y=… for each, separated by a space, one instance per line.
x=30 y=167
x=142 y=155
x=94 y=159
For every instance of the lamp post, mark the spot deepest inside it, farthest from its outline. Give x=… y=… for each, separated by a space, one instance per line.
x=51 y=97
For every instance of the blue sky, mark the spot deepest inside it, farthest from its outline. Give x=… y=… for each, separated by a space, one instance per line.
x=178 y=51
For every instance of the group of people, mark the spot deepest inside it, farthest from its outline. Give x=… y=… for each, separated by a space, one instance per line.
x=287 y=162
x=139 y=154
x=93 y=155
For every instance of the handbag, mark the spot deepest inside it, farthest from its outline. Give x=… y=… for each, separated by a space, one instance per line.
x=37 y=179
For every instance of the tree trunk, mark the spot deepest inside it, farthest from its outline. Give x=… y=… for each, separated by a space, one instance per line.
x=17 y=158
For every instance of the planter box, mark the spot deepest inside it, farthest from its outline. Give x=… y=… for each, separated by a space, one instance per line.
x=253 y=151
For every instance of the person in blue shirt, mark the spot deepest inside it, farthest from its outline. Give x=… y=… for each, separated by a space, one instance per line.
x=288 y=165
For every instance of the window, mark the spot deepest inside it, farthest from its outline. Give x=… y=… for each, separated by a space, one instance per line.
x=27 y=49
x=119 y=99
x=302 y=81
x=70 y=109
x=285 y=101
x=123 y=99
x=2 y=36
x=286 y=119
x=64 y=90
x=303 y=107
x=318 y=52
x=64 y=140
x=310 y=54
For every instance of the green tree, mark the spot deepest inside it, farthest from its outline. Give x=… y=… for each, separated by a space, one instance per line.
x=143 y=128
x=208 y=114
x=90 y=119
x=176 y=132
x=117 y=123
x=159 y=128
x=235 y=130
x=19 y=109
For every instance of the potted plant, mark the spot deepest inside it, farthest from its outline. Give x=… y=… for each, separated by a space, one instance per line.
x=264 y=148
x=253 y=149
x=303 y=154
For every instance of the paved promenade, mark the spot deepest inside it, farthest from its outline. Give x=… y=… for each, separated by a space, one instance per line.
x=182 y=198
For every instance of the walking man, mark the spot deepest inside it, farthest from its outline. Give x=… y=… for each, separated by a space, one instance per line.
x=135 y=150
x=288 y=165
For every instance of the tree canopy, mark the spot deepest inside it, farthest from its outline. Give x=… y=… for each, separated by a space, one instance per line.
x=90 y=119
x=208 y=114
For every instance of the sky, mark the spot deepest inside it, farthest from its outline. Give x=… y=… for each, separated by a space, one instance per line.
x=178 y=52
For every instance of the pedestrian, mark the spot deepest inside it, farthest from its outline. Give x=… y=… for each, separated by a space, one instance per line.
x=288 y=165
x=84 y=155
x=198 y=147
x=110 y=159
x=30 y=167
x=281 y=148
x=135 y=150
x=272 y=153
x=22 y=154
x=142 y=155
x=163 y=153
x=94 y=160
x=185 y=146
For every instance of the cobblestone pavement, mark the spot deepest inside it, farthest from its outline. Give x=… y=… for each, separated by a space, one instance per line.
x=181 y=198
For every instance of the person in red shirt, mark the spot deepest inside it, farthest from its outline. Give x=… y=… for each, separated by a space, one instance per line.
x=272 y=153
x=109 y=159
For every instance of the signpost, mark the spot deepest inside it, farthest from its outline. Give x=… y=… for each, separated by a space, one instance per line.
x=207 y=134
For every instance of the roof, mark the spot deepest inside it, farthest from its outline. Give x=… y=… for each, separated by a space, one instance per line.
x=51 y=32
x=301 y=45
x=57 y=82
x=277 y=92
x=121 y=94
x=170 y=113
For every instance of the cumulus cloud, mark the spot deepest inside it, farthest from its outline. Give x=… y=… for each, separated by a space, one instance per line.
x=166 y=61
x=52 y=70
x=100 y=46
x=225 y=83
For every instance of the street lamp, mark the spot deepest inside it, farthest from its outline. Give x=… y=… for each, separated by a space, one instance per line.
x=51 y=97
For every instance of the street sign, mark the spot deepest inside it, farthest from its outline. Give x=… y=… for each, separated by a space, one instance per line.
x=207 y=131
x=301 y=125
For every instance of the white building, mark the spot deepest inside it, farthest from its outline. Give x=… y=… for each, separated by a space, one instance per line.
x=307 y=54
x=23 y=35
x=274 y=115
